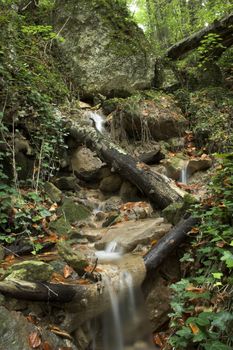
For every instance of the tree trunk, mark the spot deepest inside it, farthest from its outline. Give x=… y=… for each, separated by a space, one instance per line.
x=223 y=27
x=158 y=188
x=169 y=242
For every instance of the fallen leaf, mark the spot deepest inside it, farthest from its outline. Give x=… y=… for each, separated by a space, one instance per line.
x=34 y=340
x=194 y=328
x=60 y=332
x=67 y=271
x=46 y=346
x=192 y=288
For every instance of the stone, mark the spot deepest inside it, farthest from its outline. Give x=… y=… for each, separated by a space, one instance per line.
x=104 y=50
x=199 y=164
x=83 y=160
x=73 y=257
x=30 y=271
x=174 y=166
x=15 y=331
x=111 y=184
x=175 y=211
x=67 y=183
x=53 y=192
x=2 y=253
x=128 y=192
x=60 y=226
x=73 y=212
x=129 y=234
x=154 y=118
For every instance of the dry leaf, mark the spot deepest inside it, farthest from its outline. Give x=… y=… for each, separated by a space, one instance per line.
x=60 y=332
x=46 y=346
x=34 y=340
x=67 y=271
x=194 y=328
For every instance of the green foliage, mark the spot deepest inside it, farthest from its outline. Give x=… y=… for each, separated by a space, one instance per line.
x=201 y=303
x=208 y=47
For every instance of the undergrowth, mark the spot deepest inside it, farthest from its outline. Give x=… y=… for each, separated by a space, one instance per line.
x=202 y=316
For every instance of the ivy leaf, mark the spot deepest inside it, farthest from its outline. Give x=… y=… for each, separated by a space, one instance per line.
x=217 y=275
x=228 y=258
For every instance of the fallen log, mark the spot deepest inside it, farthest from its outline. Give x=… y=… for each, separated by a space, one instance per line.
x=160 y=190
x=81 y=302
x=168 y=243
x=222 y=27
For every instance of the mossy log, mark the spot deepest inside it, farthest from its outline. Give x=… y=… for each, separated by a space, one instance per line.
x=158 y=188
x=222 y=27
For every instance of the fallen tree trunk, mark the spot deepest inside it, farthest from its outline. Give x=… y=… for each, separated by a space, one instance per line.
x=158 y=188
x=223 y=27
x=168 y=243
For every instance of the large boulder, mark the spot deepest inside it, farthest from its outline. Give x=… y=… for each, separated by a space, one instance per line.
x=104 y=50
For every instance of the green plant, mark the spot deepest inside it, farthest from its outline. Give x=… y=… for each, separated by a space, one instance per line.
x=202 y=302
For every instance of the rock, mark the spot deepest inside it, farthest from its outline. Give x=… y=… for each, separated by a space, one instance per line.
x=73 y=212
x=67 y=183
x=30 y=271
x=111 y=184
x=85 y=164
x=174 y=166
x=176 y=144
x=104 y=50
x=128 y=192
x=74 y=258
x=129 y=234
x=152 y=157
x=16 y=331
x=175 y=211
x=197 y=164
x=53 y=192
x=136 y=210
x=60 y=226
x=2 y=253
x=141 y=118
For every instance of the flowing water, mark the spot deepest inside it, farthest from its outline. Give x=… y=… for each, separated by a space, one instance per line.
x=184 y=174
x=124 y=324
x=98 y=120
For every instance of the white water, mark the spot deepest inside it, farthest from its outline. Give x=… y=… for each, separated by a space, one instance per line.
x=184 y=174
x=110 y=254
x=98 y=119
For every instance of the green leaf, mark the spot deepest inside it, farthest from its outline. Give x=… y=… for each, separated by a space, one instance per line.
x=217 y=275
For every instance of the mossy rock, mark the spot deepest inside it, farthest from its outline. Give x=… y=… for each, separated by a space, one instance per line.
x=53 y=192
x=73 y=212
x=175 y=211
x=30 y=271
x=61 y=226
x=74 y=258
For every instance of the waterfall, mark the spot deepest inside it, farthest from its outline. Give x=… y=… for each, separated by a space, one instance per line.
x=98 y=120
x=184 y=174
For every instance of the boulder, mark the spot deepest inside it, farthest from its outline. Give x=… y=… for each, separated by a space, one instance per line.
x=30 y=271
x=175 y=211
x=60 y=226
x=16 y=333
x=111 y=184
x=154 y=116
x=128 y=192
x=85 y=164
x=174 y=166
x=104 y=50
x=198 y=164
x=53 y=192
x=67 y=183
x=73 y=212
x=129 y=234
x=75 y=258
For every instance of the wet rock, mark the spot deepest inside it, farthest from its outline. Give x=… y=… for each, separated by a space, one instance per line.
x=136 y=210
x=53 y=192
x=131 y=233
x=73 y=212
x=30 y=271
x=174 y=166
x=104 y=50
x=73 y=257
x=111 y=184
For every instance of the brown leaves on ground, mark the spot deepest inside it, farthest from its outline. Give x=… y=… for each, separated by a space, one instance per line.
x=34 y=340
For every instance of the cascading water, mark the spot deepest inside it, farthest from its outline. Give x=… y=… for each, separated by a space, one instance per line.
x=124 y=324
x=98 y=120
x=184 y=174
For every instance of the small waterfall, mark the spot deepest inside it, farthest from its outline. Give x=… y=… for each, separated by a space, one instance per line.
x=110 y=254
x=184 y=174
x=98 y=120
